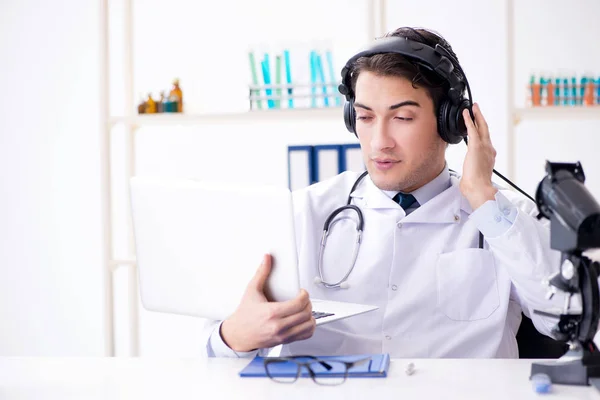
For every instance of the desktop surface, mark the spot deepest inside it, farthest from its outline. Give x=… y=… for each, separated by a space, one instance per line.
x=201 y=378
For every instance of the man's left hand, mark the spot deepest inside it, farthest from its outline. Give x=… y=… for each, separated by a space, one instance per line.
x=476 y=182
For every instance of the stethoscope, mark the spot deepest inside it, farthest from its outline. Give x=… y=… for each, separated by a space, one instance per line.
x=342 y=283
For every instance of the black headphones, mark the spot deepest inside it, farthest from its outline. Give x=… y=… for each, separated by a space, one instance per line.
x=451 y=125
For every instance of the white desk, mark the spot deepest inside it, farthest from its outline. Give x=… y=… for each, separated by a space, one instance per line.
x=140 y=378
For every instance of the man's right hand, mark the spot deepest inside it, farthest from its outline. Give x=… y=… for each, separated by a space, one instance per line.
x=258 y=323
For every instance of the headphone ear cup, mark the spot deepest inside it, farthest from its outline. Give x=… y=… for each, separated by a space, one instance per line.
x=442 y=120
x=451 y=124
x=350 y=117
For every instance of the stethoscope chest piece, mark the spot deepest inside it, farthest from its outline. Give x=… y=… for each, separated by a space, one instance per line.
x=329 y=222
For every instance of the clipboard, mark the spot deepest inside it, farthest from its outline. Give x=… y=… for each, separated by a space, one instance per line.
x=377 y=367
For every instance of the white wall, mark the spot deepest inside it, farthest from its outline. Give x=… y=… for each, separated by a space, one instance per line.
x=50 y=269
x=547 y=42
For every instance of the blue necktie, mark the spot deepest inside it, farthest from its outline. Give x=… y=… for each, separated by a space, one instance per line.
x=405 y=200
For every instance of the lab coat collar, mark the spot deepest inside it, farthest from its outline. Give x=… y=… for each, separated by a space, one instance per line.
x=446 y=207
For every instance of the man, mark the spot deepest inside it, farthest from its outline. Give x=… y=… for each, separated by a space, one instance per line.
x=440 y=293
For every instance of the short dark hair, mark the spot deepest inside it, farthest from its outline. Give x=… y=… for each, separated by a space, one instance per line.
x=391 y=64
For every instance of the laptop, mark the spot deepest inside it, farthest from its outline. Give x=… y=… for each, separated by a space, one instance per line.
x=199 y=243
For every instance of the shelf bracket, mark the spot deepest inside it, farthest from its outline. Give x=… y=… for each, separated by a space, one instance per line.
x=517 y=119
x=134 y=127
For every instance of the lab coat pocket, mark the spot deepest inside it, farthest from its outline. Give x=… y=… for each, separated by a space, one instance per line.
x=466 y=284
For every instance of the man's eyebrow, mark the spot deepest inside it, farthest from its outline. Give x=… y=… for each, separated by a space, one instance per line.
x=405 y=103
x=392 y=107
x=360 y=105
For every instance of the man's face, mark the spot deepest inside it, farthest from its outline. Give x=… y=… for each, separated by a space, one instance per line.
x=397 y=129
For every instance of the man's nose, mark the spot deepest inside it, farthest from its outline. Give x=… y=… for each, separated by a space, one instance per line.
x=382 y=138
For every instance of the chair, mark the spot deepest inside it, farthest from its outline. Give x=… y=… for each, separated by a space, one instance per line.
x=533 y=344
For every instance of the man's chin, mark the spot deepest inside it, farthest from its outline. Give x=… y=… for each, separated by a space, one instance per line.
x=386 y=180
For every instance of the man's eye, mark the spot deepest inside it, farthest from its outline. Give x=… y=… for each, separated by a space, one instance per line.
x=404 y=118
x=362 y=118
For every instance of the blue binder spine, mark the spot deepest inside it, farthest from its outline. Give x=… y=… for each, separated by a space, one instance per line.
x=310 y=173
x=344 y=155
x=317 y=167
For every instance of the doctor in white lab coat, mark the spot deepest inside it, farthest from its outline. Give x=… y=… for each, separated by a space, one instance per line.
x=439 y=293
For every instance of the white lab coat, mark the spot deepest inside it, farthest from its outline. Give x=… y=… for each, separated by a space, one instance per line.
x=438 y=294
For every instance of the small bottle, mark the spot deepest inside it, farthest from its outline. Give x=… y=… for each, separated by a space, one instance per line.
x=550 y=93
x=582 y=87
x=176 y=92
x=588 y=97
x=170 y=105
x=160 y=106
x=536 y=91
x=141 y=105
x=150 y=105
x=573 y=91
x=530 y=87
x=565 y=99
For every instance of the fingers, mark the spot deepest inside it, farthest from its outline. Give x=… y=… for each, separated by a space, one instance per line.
x=478 y=130
x=481 y=123
x=298 y=318
x=471 y=128
x=293 y=306
x=262 y=273
x=292 y=327
x=301 y=332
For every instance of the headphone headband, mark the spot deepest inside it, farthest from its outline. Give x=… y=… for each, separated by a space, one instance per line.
x=450 y=121
x=435 y=59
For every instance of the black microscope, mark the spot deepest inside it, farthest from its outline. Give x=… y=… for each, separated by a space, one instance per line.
x=574 y=217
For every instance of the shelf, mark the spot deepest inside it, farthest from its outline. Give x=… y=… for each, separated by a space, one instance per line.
x=329 y=113
x=114 y=264
x=556 y=113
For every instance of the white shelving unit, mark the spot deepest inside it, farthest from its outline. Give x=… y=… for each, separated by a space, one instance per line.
x=557 y=113
x=329 y=113
x=133 y=121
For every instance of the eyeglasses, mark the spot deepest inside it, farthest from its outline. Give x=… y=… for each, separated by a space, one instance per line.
x=328 y=372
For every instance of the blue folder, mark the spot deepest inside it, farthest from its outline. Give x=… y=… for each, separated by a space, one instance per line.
x=377 y=367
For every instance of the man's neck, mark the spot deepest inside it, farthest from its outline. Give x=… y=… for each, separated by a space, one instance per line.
x=426 y=181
